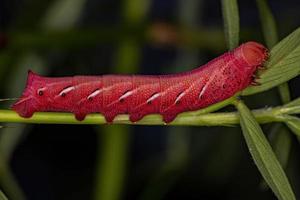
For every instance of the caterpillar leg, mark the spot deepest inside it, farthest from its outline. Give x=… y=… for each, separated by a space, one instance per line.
x=110 y=116
x=134 y=117
x=167 y=118
x=24 y=107
x=80 y=116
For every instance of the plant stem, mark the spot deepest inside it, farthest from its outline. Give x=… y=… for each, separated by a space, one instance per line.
x=264 y=115
x=111 y=162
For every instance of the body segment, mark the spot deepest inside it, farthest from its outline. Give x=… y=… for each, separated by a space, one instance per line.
x=140 y=95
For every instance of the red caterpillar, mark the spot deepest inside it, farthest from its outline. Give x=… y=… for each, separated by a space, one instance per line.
x=140 y=95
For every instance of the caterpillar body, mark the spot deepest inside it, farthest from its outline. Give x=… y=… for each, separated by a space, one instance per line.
x=140 y=95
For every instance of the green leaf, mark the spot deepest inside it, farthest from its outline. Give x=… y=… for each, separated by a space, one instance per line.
x=63 y=14
x=291 y=108
x=268 y=23
x=294 y=124
x=231 y=22
x=271 y=38
x=2 y=196
x=283 y=64
x=281 y=142
x=263 y=154
x=295 y=102
x=284 y=92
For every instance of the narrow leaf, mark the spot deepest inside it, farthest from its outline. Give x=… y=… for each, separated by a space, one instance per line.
x=294 y=124
x=284 y=92
x=268 y=23
x=283 y=64
x=2 y=196
x=281 y=142
x=63 y=14
x=231 y=22
x=295 y=102
x=271 y=38
x=263 y=154
x=291 y=108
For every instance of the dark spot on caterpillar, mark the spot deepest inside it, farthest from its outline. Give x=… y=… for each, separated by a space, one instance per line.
x=41 y=93
x=179 y=94
x=95 y=90
x=122 y=99
x=177 y=101
x=149 y=101
x=91 y=96
x=64 y=91
x=126 y=92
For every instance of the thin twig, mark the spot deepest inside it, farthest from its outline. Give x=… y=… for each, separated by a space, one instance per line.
x=264 y=115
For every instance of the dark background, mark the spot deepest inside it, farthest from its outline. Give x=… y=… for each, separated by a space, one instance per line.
x=61 y=161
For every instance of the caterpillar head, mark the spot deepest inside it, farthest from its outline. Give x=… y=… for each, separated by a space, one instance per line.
x=31 y=99
x=253 y=53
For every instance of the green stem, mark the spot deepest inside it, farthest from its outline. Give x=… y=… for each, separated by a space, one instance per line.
x=112 y=166
x=112 y=162
x=265 y=115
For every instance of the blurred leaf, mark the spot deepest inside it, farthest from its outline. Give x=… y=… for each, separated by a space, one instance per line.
x=283 y=64
x=9 y=139
x=63 y=14
x=284 y=92
x=263 y=154
x=133 y=11
x=8 y=182
x=281 y=143
x=2 y=196
x=231 y=22
x=294 y=124
x=112 y=162
x=271 y=38
x=268 y=23
x=128 y=57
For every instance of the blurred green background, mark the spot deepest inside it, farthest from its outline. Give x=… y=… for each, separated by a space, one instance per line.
x=68 y=37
